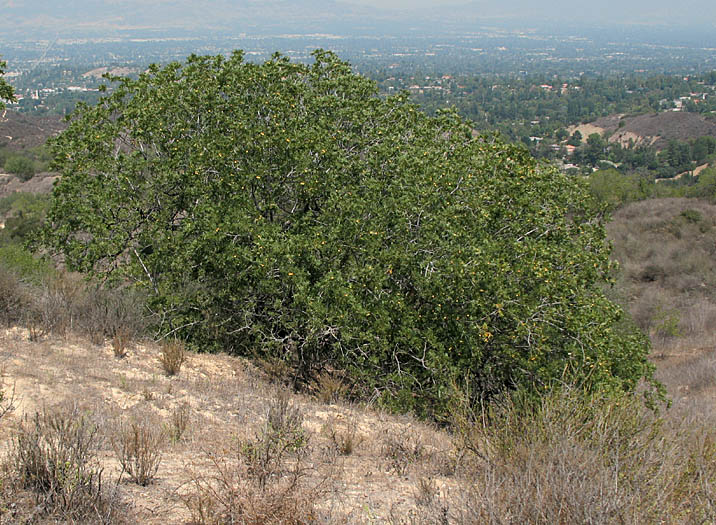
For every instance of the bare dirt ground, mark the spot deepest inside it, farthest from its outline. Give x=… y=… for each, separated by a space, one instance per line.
x=40 y=183
x=654 y=129
x=227 y=401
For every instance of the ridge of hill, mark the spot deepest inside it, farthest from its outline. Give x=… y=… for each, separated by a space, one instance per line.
x=652 y=129
x=22 y=131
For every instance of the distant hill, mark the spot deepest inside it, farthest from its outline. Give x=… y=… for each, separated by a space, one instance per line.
x=20 y=130
x=83 y=18
x=655 y=129
x=47 y=19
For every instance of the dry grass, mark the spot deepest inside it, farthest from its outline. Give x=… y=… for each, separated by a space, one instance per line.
x=234 y=430
x=120 y=342
x=14 y=299
x=330 y=387
x=172 y=356
x=603 y=459
x=228 y=494
x=179 y=422
x=54 y=456
x=259 y=455
x=266 y=482
x=138 y=447
x=343 y=437
x=666 y=249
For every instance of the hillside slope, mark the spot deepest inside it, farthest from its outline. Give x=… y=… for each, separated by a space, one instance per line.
x=655 y=129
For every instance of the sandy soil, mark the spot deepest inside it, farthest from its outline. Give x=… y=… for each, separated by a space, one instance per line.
x=227 y=400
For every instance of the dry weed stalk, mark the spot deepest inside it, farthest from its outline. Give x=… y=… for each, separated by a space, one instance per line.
x=180 y=418
x=54 y=456
x=573 y=457
x=344 y=439
x=137 y=444
x=263 y=483
x=330 y=388
x=120 y=342
x=172 y=356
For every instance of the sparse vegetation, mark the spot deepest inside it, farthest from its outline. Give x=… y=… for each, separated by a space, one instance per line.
x=572 y=458
x=180 y=421
x=120 y=340
x=330 y=387
x=54 y=455
x=666 y=248
x=137 y=443
x=343 y=435
x=401 y=451
x=172 y=356
x=265 y=485
x=281 y=435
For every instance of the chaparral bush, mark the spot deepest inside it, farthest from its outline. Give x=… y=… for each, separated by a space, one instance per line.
x=285 y=210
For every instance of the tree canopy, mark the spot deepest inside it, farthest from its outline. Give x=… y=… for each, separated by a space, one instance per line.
x=286 y=210
x=6 y=91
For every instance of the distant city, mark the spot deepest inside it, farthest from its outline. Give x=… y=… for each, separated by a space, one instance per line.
x=41 y=68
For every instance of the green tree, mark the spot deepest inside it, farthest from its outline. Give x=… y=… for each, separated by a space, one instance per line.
x=594 y=149
x=287 y=210
x=22 y=214
x=21 y=166
x=575 y=139
x=614 y=188
x=6 y=91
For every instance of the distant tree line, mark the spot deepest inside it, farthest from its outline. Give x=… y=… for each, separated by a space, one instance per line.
x=523 y=106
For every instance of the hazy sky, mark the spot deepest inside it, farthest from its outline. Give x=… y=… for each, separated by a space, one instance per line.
x=464 y=13
x=403 y=4
x=616 y=11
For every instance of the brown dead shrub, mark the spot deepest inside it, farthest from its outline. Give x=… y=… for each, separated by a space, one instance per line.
x=54 y=456
x=576 y=458
x=137 y=443
x=264 y=482
x=172 y=356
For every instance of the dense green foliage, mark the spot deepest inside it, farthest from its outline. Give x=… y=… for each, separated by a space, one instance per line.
x=22 y=214
x=24 y=163
x=288 y=211
x=6 y=91
x=20 y=166
x=613 y=188
x=542 y=105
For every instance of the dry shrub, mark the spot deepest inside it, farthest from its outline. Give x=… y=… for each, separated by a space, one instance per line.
x=263 y=484
x=172 y=356
x=572 y=458
x=54 y=456
x=281 y=436
x=120 y=343
x=7 y=400
x=101 y=313
x=343 y=438
x=179 y=422
x=664 y=271
x=56 y=303
x=403 y=450
x=330 y=387
x=691 y=375
x=230 y=495
x=14 y=298
x=433 y=509
x=62 y=302
x=137 y=443
x=277 y=371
